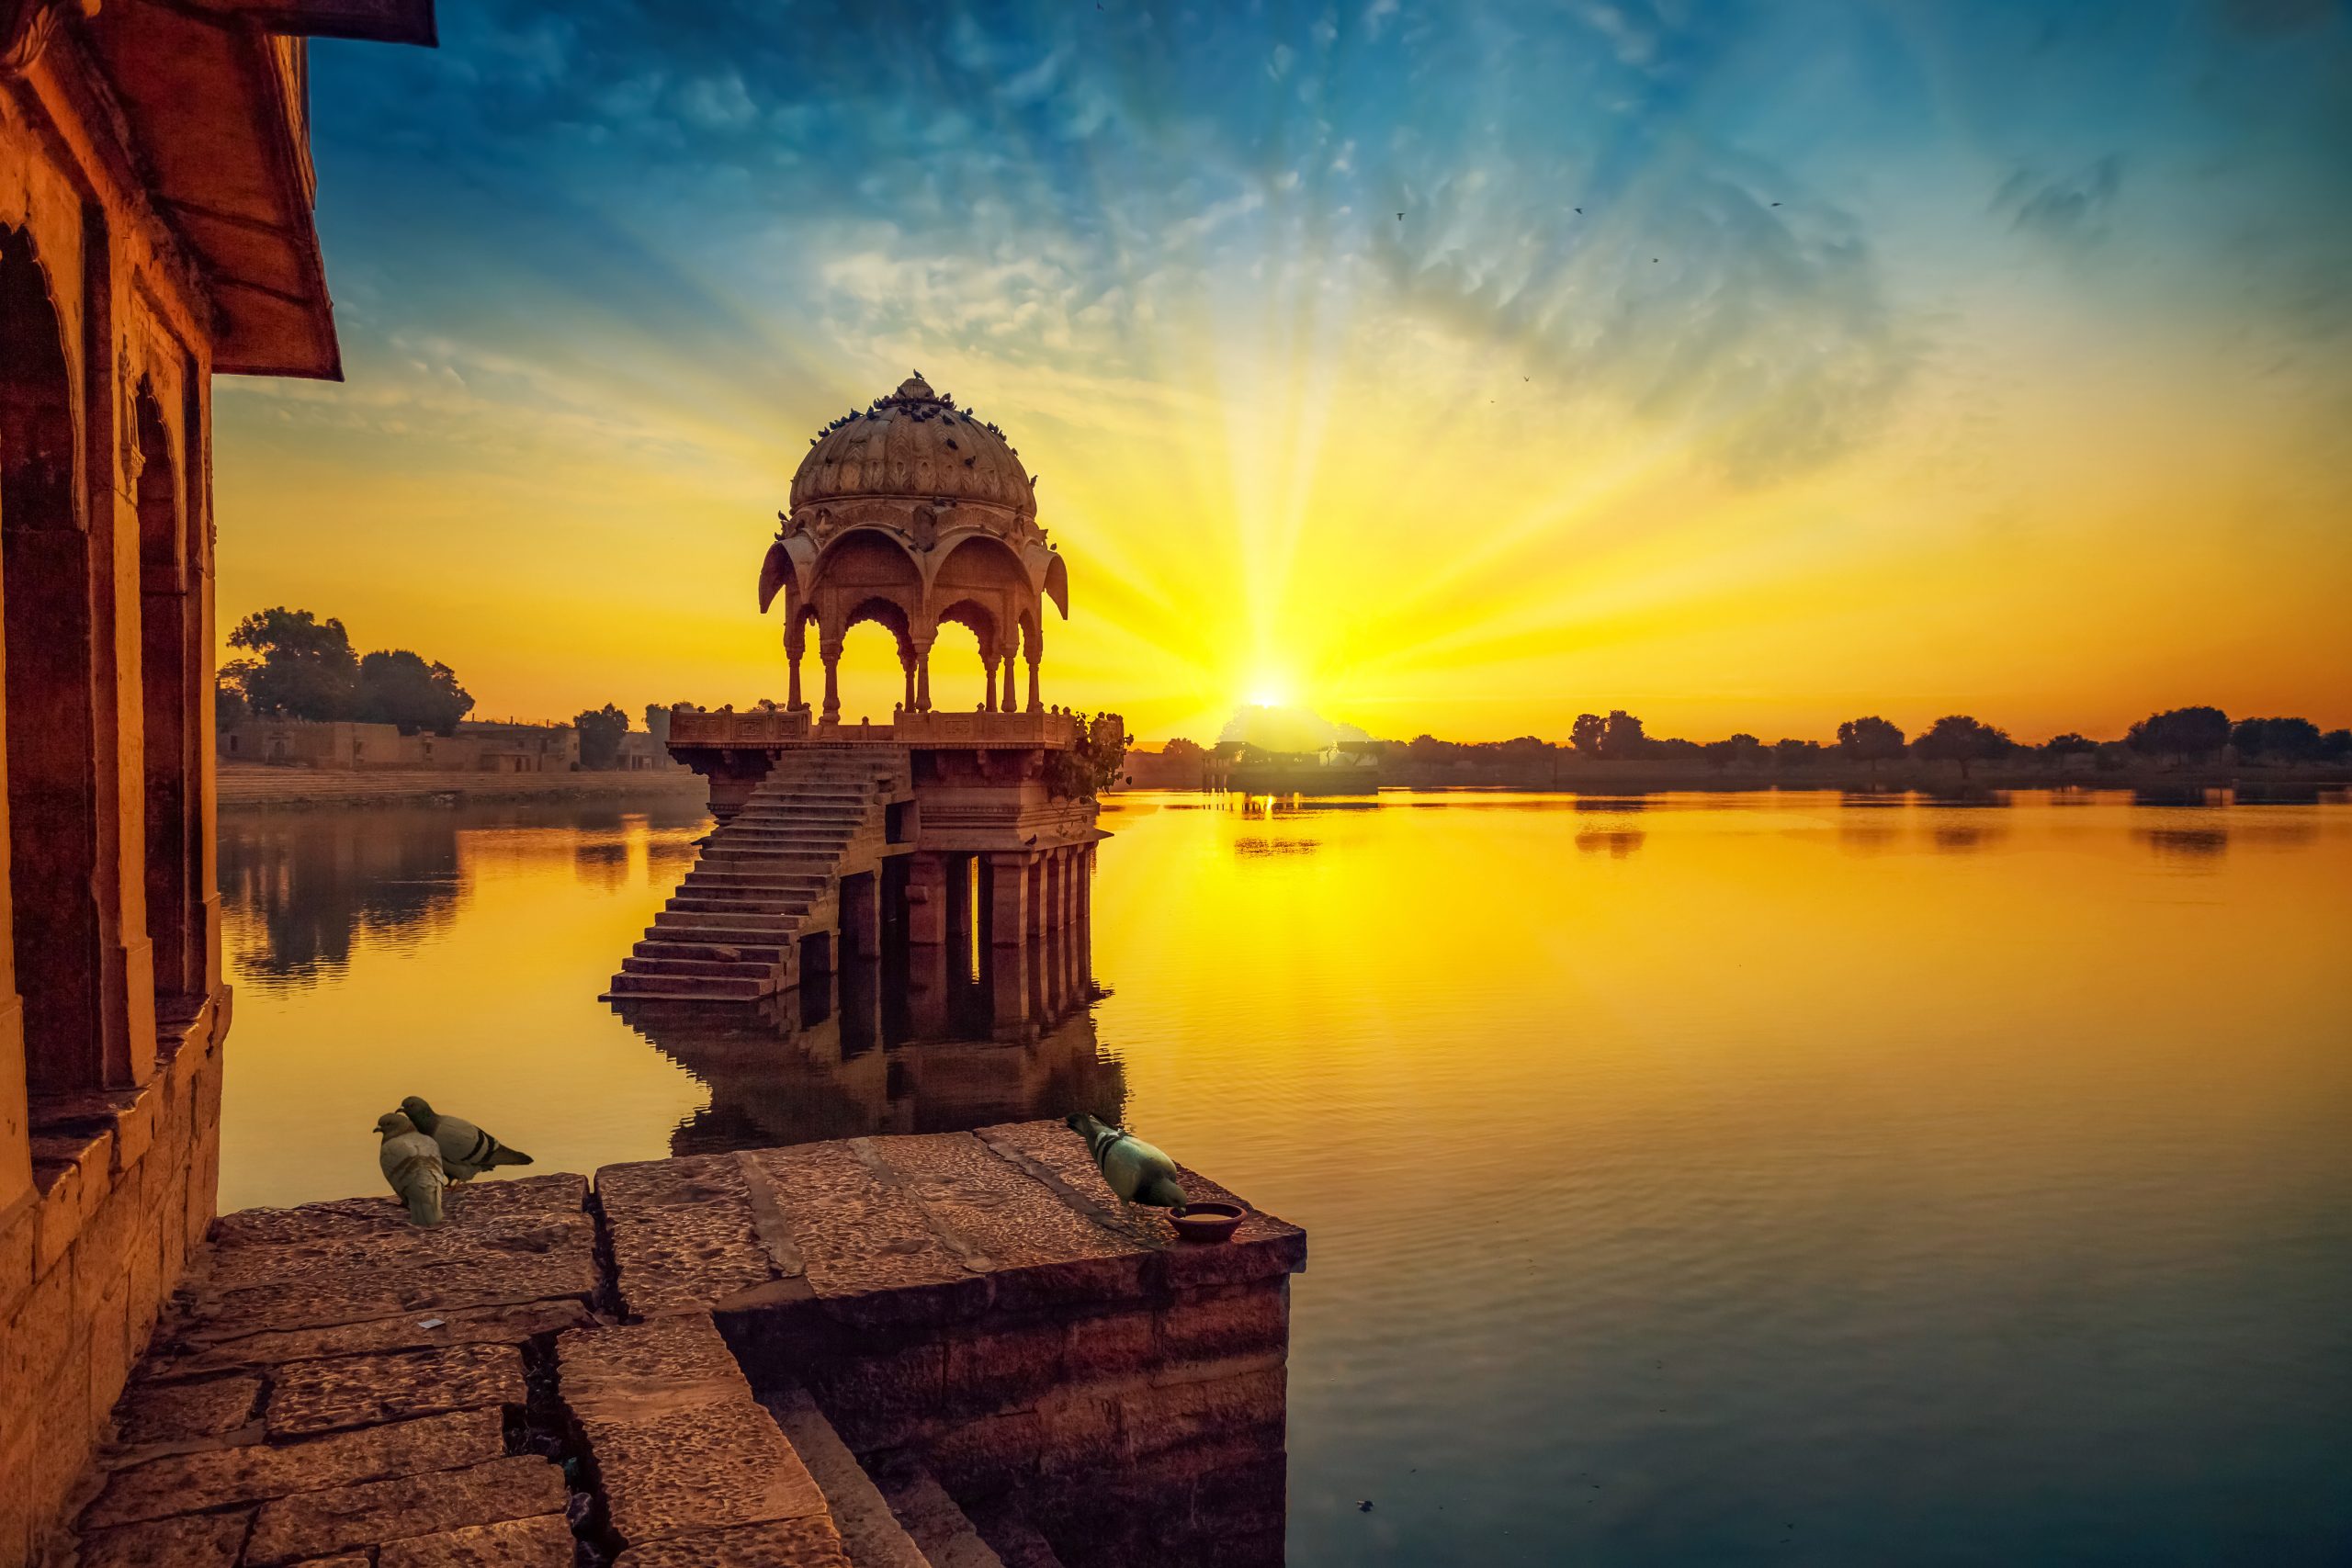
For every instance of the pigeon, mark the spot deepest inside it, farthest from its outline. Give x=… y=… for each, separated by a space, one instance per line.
x=1136 y=1171
x=465 y=1150
x=412 y=1165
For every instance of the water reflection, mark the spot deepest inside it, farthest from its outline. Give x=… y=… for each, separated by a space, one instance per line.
x=1619 y=842
x=299 y=889
x=905 y=1045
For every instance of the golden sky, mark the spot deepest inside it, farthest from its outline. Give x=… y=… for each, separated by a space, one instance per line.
x=1997 y=364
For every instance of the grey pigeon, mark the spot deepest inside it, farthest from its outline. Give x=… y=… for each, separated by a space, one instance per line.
x=1138 y=1172
x=465 y=1150
x=412 y=1163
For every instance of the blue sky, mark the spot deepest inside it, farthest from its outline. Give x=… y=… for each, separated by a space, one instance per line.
x=1852 y=283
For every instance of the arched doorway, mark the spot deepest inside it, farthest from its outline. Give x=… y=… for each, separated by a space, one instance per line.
x=51 y=737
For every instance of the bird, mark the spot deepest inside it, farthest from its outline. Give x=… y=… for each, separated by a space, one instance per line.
x=1138 y=1172
x=1579 y=209
x=1776 y=204
x=411 y=1163
x=465 y=1150
x=1400 y=217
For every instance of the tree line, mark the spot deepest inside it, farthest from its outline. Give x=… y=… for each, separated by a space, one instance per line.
x=292 y=665
x=2175 y=735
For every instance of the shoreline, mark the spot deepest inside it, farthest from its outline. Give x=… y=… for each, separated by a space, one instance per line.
x=261 y=786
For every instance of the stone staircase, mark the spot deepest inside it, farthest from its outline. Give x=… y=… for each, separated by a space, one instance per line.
x=770 y=876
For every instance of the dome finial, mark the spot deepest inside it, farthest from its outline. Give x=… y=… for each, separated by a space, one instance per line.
x=915 y=388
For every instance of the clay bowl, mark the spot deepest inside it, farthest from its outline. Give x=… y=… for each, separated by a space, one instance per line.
x=1206 y=1221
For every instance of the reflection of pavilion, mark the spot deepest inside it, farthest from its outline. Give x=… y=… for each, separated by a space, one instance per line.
x=906 y=1043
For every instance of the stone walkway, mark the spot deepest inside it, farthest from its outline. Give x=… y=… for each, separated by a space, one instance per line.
x=914 y=1352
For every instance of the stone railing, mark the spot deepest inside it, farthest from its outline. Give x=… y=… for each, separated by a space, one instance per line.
x=778 y=727
x=725 y=727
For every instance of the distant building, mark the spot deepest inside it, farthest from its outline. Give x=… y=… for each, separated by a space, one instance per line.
x=349 y=746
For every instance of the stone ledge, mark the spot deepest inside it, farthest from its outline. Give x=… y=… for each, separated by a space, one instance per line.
x=312 y=1524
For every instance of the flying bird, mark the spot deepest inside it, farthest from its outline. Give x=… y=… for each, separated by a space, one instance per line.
x=411 y=1163
x=1579 y=209
x=465 y=1150
x=1400 y=217
x=1138 y=1172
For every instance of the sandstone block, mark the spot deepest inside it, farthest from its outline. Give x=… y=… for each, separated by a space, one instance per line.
x=60 y=1214
x=312 y=1524
x=1113 y=1344
x=997 y=1370
x=543 y=1540
x=207 y=1541
x=776 y=1543
x=1230 y=1320
x=173 y=1413
x=505 y=1324
x=677 y=1440
x=218 y=1477
x=361 y=1390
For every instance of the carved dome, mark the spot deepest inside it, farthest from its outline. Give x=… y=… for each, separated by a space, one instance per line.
x=914 y=444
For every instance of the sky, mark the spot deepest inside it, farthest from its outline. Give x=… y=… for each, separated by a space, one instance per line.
x=1453 y=367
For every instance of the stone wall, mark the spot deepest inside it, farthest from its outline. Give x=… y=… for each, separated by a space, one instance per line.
x=125 y=1182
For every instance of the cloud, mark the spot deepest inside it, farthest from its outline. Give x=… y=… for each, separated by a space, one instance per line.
x=2069 y=210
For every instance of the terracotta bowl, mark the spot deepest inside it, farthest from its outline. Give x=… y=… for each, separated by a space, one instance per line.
x=1206 y=1221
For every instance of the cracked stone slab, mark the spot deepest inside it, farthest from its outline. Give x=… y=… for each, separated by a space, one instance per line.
x=507 y=1324
x=365 y=1391
x=678 y=1441
x=216 y=1478
x=312 y=1524
x=780 y=1544
x=176 y=1413
x=544 y=1540
x=209 y=1541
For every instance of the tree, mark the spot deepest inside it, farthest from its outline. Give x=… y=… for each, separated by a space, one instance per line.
x=1586 y=734
x=1095 y=763
x=1741 y=749
x=600 y=735
x=2180 y=732
x=2279 y=740
x=2069 y=745
x=1182 y=751
x=1870 y=739
x=1622 y=736
x=303 y=667
x=1791 y=752
x=396 y=687
x=2336 y=745
x=229 y=709
x=1956 y=737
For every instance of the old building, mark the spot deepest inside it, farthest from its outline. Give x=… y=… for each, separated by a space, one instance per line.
x=156 y=230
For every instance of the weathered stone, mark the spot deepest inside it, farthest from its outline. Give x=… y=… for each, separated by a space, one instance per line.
x=1227 y=1321
x=61 y=1213
x=865 y=1241
x=473 y=1206
x=206 y=1541
x=359 y=1390
x=543 y=1540
x=310 y=1524
x=172 y=1412
x=216 y=1477
x=872 y=1535
x=682 y=1232
x=1001 y=1219
x=508 y=1323
x=678 y=1442
x=776 y=1543
x=1110 y=1344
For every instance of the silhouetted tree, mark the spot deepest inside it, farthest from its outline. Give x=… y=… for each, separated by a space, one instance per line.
x=1183 y=750
x=1098 y=761
x=2068 y=745
x=600 y=735
x=397 y=687
x=1586 y=733
x=1791 y=752
x=229 y=709
x=1870 y=739
x=2279 y=740
x=1742 y=749
x=2180 y=732
x=301 y=667
x=1956 y=737
x=1621 y=737
x=2335 y=746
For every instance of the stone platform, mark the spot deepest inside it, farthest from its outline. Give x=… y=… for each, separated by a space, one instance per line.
x=874 y=1353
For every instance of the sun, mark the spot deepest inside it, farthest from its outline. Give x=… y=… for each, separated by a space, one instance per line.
x=1269 y=692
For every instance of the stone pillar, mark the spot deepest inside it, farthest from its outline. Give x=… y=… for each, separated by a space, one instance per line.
x=958 y=921
x=907 y=663
x=861 y=919
x=922 y=675
x=1034 y=705
x=793 y=645
x=926 y=900
x=1009 y=704
x=1008 y=954
x=831 y=651
x=988 y=686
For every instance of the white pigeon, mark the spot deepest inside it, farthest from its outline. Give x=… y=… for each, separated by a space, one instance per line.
x=411 y=1163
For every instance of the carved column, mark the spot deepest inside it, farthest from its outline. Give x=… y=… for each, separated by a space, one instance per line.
x=831 y=651
x=907 y=663
x=988 y=686
x=1008 y=954
x=922 y=674
x=795 y=644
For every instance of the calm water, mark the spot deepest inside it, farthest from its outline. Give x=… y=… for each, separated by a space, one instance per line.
x=1707 y=1179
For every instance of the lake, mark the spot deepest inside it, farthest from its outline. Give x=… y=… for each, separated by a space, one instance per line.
x=1699 y=1178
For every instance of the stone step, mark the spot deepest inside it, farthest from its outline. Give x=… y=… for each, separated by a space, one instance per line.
x=873 y=1535
x=766 y=951
x=701 y=988
x=724 y=931
x=715 y=967
x=747 y=904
